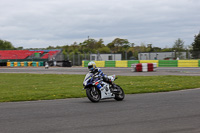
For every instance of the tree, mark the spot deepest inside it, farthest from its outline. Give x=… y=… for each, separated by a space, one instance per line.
x=6 y=45
x=91 y=45
x=196 y=47
x=100 y=43
x=132 y=53
x=75 y=48
x=178 y=47
x=111 y=46
x=65 y=54
x=156 y=49
x=149 y=48
x=118 y=45
x=50 y=47
x=167 y=50
x=19 y=48
x=104 y=50
x=142 y=48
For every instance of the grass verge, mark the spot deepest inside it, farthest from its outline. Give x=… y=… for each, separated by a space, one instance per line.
x=27 y=87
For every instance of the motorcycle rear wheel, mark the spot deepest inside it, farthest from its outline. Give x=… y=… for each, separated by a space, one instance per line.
x=120 y=95
x=93 y=94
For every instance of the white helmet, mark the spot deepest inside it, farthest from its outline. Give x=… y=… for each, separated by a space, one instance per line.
x=91 y=65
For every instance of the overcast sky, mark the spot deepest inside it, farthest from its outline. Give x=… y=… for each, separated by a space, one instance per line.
x=40 y=23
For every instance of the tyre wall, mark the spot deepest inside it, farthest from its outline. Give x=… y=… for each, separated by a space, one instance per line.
x=25 y=64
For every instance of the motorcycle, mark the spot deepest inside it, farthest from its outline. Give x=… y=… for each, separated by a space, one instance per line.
x=97 y=89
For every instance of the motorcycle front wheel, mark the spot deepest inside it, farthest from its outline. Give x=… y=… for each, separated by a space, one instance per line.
x=93 y=94
x=120 y=95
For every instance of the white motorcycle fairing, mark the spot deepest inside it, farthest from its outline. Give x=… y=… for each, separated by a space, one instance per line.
x=105 y=91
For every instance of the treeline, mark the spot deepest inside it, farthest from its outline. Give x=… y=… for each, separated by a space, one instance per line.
x=6 y=45
x=123 y=46
x=118 y=45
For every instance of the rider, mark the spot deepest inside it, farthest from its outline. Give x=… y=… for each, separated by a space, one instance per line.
x=97 y=71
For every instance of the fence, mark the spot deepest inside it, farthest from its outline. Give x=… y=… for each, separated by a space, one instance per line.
x=111 y=60
x=77 y=58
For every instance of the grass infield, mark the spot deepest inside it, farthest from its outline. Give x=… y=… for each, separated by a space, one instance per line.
x=27 y=87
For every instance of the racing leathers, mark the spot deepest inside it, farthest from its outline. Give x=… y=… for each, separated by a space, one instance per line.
x=98 y=72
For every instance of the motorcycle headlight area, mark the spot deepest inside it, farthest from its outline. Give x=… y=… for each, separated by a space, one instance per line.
x=84 y=83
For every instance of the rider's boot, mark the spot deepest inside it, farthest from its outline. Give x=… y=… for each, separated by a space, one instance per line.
x=113 y=86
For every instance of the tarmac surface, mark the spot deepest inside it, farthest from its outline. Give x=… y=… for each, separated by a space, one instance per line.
x=169 y=112
x=166 y=112
x=109 y=71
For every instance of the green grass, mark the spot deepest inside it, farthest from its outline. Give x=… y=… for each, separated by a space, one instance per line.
x=27 y=87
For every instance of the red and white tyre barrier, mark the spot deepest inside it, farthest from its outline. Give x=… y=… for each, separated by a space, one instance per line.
x=144 y=67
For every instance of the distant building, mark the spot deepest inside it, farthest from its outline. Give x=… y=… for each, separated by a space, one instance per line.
x=105 y=57
x=161 y=55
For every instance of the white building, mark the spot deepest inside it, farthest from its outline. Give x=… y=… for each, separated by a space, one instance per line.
x=105 y=57
x=161 y=55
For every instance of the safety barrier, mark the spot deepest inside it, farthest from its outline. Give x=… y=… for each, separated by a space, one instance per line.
x=159 y=63
x=35 y=64
x=22 y=63
x=144 y=67
x=121 y=63
x=25 y=64
x=149 y=61
x=85 y=63
x=199 y=63
x=15 y=64
x=8 y=63
x=167 y=63
x=100 y=63
x=130 y=62
x=109 y=63
x=188 y=63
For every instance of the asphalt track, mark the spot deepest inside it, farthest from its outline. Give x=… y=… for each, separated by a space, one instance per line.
x=170 y=112
x=166 y=112
x=108 y=71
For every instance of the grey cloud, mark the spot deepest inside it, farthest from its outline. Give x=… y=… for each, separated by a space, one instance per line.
x=32 y=23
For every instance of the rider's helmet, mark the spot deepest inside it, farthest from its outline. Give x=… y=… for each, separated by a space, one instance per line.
x=91 y=65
